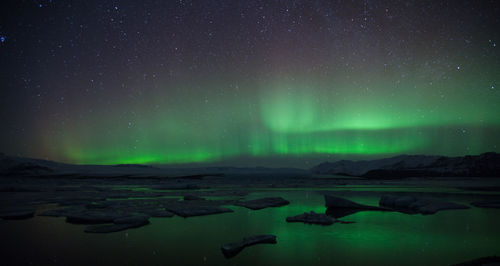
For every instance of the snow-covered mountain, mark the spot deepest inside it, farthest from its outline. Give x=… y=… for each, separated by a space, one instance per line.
x=483 y=165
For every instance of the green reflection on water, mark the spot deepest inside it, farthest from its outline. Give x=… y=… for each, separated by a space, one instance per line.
x=375 y=238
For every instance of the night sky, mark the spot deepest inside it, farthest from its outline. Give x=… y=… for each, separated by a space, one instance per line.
x=244 y=82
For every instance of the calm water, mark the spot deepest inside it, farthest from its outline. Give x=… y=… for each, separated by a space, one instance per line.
x=376 y=238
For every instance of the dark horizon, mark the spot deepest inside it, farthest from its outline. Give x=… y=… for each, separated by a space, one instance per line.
x=272 y=162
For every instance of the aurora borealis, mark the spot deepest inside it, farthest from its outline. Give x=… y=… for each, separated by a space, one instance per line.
x=299 y=82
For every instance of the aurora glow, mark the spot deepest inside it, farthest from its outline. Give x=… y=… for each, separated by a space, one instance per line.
x=211 y=81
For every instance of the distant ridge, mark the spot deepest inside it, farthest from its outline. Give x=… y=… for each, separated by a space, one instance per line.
x=28 y=167
x=483 y=165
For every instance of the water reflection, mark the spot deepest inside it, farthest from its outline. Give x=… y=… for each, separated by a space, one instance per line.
x=382 y=238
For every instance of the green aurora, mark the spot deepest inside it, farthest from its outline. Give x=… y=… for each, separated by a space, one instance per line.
x=248 y=82
x=288 y=119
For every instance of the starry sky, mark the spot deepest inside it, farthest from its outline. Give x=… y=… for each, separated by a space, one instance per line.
x=248 y=83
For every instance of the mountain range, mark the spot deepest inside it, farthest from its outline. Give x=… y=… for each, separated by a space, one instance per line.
x=402 y=166
x=483 y=165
